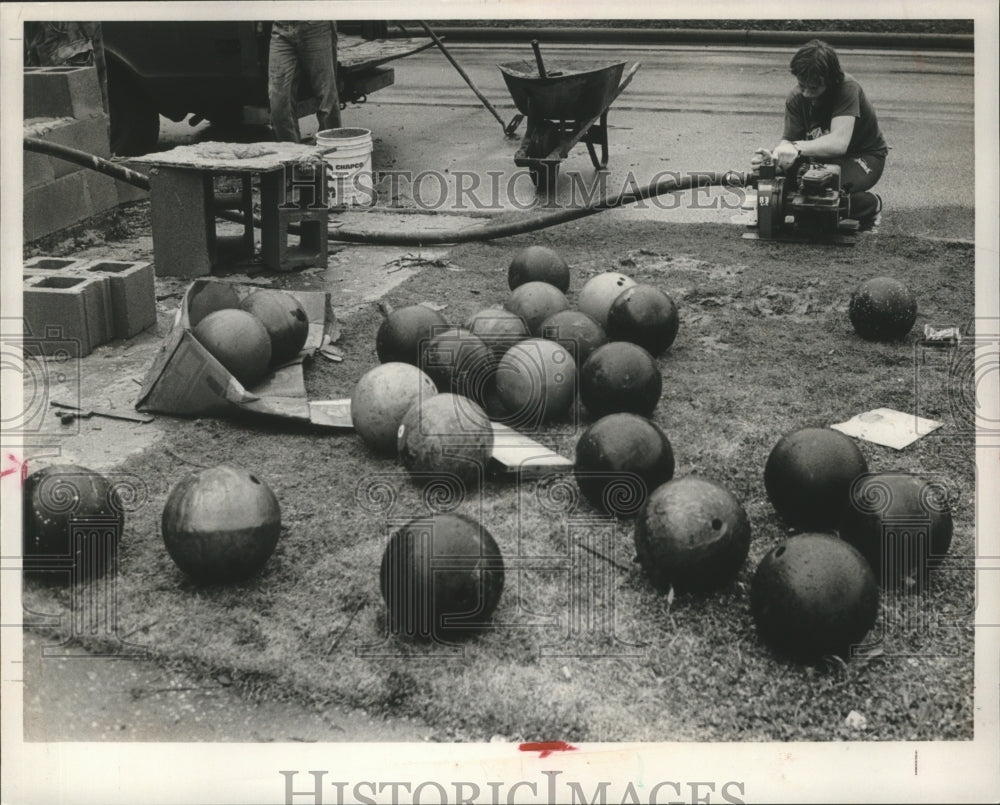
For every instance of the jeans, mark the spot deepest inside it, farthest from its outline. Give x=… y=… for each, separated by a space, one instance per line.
x=296 y=48
x=858 y=174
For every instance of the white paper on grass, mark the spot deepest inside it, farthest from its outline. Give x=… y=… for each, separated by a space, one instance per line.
x=515 y=452
x=887 y=427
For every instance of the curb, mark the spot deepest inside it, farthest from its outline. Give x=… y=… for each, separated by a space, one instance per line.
x=705 y=36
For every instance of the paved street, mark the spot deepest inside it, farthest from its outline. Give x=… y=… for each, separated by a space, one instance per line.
x=687 y=109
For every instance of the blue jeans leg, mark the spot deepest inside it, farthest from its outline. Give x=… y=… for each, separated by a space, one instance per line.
x=283 y=65
x=316 y=53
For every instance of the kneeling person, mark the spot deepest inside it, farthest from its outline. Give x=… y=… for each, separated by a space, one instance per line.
x=829 y=119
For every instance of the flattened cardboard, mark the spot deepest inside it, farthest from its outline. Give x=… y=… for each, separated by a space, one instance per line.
x=186 y=380
x=887 y=427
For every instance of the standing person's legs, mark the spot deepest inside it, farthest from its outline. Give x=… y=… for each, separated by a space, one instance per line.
x=283 y=62
x=316 y=49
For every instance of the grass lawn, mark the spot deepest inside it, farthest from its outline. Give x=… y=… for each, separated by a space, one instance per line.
x=586 y=649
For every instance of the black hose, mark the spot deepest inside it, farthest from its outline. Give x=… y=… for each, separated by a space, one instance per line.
x=91 y=161
x=467 y=235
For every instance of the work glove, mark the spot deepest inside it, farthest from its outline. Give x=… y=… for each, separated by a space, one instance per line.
x=785 y=155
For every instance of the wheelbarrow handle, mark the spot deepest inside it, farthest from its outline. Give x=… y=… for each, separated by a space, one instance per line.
x=538 y=59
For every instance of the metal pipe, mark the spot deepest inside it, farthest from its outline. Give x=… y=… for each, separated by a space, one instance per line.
x=507 y=127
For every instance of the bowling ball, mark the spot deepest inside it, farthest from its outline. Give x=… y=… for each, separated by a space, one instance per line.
x=73 y=520
x=882 y=309
x=460 y=363
x=535 y=302
x=238 y=341
x=380 y=400
x=538 y=264
x=644 y=315
x=498 y=328
x=576 y=331
x=620 y=459
x=620 y=377
x=901 y=523
x=208 y=296
x=285 y=320
x=402 y=331
x=692 y=534
x=536 y=382
x=598 y=294
x=813 y=595
x=445 y=435
x=808 y=477
x=441 y=578
x=221 y=524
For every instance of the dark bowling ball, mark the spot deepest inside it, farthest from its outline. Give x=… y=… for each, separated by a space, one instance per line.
x=692 y=534
x=900 y=523
x=620 y=377
x=402 y=331
x=644 y=315
x=221 y=524
x=576 y=331
x=73 y=521
x=620 y=459
x=808 y=477
x=882 y=309
x=538 y=264
x=441 y=578
x=813 y=595
x=460 y=363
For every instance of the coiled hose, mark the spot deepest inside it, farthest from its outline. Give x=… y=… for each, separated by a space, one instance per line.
x=417 y=238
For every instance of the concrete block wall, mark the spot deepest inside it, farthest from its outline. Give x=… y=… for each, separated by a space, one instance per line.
x=63 y=105
x=93 y=301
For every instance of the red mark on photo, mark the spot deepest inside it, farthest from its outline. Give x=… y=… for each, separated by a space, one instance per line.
x=19 y=466
x=546 y=748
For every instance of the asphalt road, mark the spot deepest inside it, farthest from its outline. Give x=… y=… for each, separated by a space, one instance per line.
x=687 y=109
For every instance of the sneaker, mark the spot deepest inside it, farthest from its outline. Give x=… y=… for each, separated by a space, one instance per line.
x=871 y=224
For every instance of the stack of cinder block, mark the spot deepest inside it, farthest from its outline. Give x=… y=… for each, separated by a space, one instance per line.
x=88 y=301
x=63 y=105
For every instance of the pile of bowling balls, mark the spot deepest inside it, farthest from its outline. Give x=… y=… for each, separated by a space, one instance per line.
x=431 y=401
x=250 y=336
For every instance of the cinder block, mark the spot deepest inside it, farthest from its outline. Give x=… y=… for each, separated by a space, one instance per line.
x=44 y=265
x=89 y=135
x=180 y=208
x=55 y=206
x=283 y=251
x=133 y=293
x=128 y=193
x=59 y=302
x=62 y=92
x=101 y=192
x=38 y=169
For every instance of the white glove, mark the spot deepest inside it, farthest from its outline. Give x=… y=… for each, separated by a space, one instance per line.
x=758 y=157
x=785 y=154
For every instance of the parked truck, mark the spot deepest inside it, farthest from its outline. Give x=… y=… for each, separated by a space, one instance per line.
x=217 y=71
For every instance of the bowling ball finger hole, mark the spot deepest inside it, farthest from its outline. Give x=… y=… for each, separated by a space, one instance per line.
x=254 y=479
x=716 y=524
x=780 y=551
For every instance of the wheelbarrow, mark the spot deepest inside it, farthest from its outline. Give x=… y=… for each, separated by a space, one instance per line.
x=565 y=102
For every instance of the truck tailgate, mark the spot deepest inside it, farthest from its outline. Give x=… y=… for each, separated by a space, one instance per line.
x=357 y=55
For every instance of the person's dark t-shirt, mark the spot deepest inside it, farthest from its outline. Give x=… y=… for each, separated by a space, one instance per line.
x=807 y=119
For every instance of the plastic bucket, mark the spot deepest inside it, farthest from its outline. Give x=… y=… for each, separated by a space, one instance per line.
x=348 y=154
